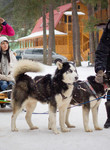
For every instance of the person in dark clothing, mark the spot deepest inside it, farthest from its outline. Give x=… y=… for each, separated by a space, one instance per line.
x=102 y=65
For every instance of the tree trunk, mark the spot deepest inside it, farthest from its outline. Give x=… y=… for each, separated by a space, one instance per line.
x=44 y=35
x=99 y=9
x=51 y=33
x=108 y=9
x=76 y=35
x=91 y=35
x=97 y=39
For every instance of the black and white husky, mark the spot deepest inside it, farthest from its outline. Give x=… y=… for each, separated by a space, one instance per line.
x=87 y=94
x=55 y=90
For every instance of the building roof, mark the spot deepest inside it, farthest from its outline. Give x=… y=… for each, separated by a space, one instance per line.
x=40 y=33
x=58 y=13
x=57 y=16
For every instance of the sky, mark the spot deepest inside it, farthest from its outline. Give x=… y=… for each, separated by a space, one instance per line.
x=44 y=139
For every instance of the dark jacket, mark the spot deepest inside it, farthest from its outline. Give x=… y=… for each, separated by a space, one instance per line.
x=102 y=60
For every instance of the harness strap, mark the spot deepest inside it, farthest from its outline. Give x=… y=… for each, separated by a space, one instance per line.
x=64 y=97
x=105 y=86
x=91 y=88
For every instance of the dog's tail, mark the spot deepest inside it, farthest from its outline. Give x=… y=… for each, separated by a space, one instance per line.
x=23 y=66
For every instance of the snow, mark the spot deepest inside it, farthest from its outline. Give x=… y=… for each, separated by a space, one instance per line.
x=40 y=33
x=44 y=139
x=69 y=13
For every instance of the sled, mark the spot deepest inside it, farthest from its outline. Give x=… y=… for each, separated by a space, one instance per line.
x=4 y=98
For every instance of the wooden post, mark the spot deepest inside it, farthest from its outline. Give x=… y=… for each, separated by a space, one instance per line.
x=67 y=37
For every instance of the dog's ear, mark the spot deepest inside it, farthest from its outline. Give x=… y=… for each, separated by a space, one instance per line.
x=59 y=65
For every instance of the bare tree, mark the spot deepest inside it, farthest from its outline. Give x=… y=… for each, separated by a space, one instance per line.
x=44 y=34
x=91 y=34
x=76 y=34
x=51 y=33
x=108 y=9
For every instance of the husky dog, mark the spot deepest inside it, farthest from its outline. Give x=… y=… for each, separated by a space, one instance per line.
x=55 y=90
x=87 y=93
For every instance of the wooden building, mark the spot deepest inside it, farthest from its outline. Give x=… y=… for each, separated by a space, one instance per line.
x=63 y=32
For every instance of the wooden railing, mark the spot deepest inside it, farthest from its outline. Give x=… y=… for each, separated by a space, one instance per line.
x=85 y=46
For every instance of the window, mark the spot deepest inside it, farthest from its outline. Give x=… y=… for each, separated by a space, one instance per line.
x=29 y=51
x=38 y=51
x=65 y=18
x=78 y=6
x=69 y=18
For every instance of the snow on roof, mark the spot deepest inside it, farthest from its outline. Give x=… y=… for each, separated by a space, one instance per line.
x=40 y=33
x=69 y=13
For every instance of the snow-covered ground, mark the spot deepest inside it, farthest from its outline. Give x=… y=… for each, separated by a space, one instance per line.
x=44 y=139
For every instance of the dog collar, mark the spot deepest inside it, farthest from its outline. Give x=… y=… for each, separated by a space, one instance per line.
x=69 y=83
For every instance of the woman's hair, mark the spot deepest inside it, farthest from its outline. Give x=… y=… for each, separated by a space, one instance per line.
x=7 y=54
x=1 y=28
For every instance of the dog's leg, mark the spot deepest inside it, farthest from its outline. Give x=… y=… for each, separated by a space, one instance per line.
x=52 y=119
x=30 y=106
x=62 y=117
x=49 y=124
x=95 y=117
x=86 y=118
x=16 y=111
x=67 y=118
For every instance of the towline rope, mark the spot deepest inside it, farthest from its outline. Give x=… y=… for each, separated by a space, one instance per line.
x=45 y=113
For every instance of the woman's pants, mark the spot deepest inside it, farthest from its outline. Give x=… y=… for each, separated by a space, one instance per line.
x=5 y=84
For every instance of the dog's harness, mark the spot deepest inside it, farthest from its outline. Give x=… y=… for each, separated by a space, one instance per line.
x=64 y=97
x=106 y=87
x=91 y=88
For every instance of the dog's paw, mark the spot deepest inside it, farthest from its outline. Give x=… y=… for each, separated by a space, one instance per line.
x=65 y=129
x=71 y=126
x=49 y=128
x=56 y=131
x=98 y=128
x=34 y=127
x=14 y=130
x=88 y=130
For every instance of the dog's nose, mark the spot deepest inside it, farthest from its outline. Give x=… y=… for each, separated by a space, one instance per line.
x=76 y=78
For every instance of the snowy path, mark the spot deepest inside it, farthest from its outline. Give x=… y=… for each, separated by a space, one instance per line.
x=44 y=139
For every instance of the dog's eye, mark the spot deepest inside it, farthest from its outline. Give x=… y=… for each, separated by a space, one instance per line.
x=70 y=71
x=75 y=71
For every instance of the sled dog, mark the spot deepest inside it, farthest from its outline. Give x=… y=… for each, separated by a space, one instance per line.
x=55 y=90
x=87 y=93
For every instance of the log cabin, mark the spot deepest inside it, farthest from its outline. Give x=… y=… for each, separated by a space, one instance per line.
x=62 y=30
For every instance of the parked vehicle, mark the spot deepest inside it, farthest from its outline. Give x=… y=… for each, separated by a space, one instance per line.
x=36 y=54
x=18 y=53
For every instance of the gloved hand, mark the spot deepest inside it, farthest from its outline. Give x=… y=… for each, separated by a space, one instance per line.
x=99 y=76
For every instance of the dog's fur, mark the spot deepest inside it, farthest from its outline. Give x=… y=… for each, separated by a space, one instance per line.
x=56 y=91
x=82 y=94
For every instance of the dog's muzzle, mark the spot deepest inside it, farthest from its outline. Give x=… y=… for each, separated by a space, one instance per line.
x=76 y=78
